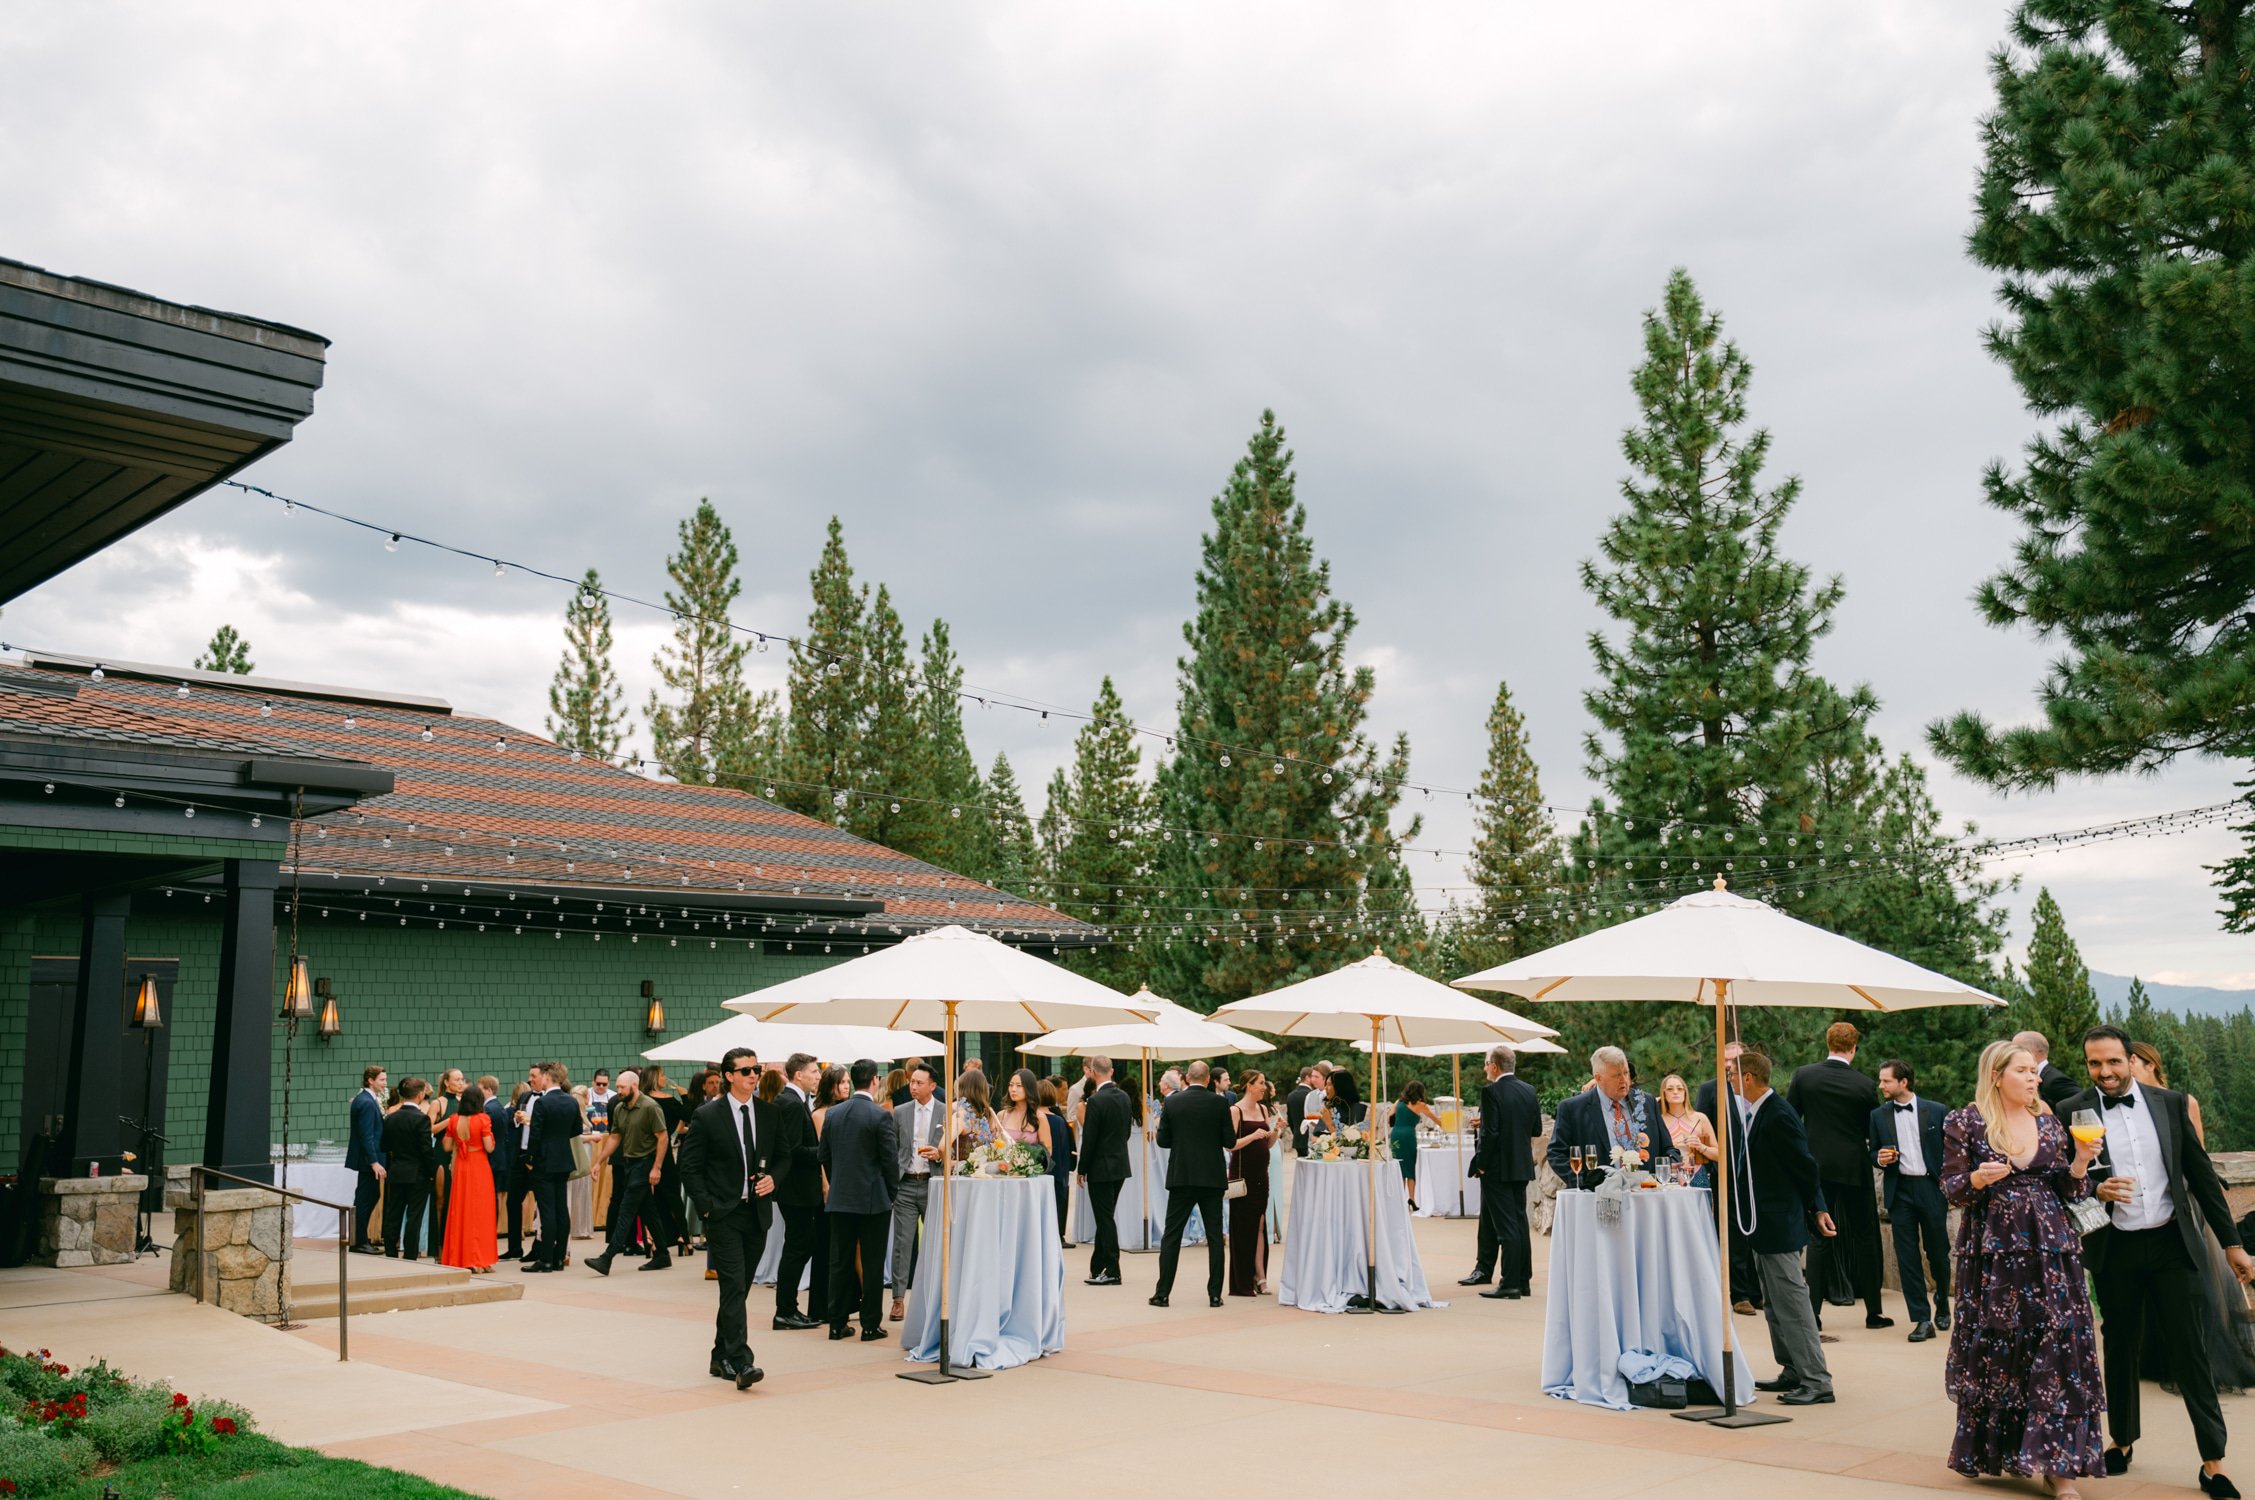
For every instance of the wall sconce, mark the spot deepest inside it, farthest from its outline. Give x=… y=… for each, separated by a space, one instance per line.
x=654 y=1019
x=297 y=997
x=148 y=1015
x=331 y=1023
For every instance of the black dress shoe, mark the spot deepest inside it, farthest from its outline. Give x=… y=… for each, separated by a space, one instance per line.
x=1805 y=1397
x=721 y=1369
x=749 y=1376
x=1877 y=1321
x=841 y=1333
x=504 y=1255
x=793 y=1323
x=1942 y=1319
x=871 y=1335
x=1501 y=1294
x=2117 y=1461
x=656 y=1263
x=1475 y=1279
x=1159 y=1299
x=2218 y=1485
x=1786 y=1382
x=374 y=1250
x=1212 y=1300
x=599 y=1264
x=1102 y=1281
x=1922 y=1333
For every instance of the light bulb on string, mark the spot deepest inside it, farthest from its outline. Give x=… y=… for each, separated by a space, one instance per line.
x=391 y=543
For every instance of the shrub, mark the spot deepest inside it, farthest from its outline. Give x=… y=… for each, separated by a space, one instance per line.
x=129 y=1427
x=36 y=1464
x=36 y=1375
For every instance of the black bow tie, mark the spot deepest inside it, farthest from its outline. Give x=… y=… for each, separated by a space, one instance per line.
x=1904 y=1109
x=2116 y=1101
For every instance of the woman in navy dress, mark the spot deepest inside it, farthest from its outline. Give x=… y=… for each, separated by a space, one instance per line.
x=2023 y=1364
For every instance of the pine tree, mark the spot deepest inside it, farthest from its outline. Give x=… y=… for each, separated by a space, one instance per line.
x=828 y=693
x=1276 y=799
x=1517 y=859
x=1099 y=825
x=947 y=831
x=2117 y=206
x=2137 y=1011
x=1016 y=859
x=228 y=652
x=703 y=665
x=2061 y=1003
x=886 y=806
x=586 y=705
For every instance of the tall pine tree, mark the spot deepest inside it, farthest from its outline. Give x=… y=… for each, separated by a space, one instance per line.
x=2117 y=207
x=943 y=773
x=828 y=693
x=227 y=652
x=1014 y=859
x=1276 y=798
x=2061 y=1002
x=586 y=705
x=703 y=665
x=885 y=750
x=1517 y=861
x=1099 y=820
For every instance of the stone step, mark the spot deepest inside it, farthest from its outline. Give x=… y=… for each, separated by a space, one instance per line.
x=453 y=1288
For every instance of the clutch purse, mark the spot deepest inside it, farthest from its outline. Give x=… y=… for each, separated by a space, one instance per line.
x=2088 y=1215
x=583 y=1157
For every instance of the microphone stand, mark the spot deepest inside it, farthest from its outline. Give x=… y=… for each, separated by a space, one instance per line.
x=144 y=1243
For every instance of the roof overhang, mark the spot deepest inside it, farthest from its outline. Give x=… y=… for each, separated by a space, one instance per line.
x=116 y=407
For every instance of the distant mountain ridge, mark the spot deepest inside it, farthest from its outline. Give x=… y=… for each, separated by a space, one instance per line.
x=2185 y=999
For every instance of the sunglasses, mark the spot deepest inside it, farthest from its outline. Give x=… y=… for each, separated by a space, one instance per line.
x=740 y=1072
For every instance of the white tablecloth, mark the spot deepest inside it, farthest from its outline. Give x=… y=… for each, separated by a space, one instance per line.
x=1443 y=1189
x=1136 y=1231
x=1327 y=1247
x=331 y=1180
x=1651 y=1282
x=1006 y=1274
x=771 y=1257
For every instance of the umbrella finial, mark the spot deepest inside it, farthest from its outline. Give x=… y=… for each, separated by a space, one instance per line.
x=1720 y=883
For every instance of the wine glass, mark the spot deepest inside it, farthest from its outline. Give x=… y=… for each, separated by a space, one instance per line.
x=1574 y=1160
x=2087 y=1127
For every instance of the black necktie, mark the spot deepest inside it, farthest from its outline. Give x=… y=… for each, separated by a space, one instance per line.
x=744 y=1116
x=2117 y=1101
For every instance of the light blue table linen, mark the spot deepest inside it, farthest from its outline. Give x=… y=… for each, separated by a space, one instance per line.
x=1326 y=1259
x=1007 y=1277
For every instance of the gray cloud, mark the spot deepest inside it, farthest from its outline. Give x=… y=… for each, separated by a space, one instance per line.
x=1007 y=287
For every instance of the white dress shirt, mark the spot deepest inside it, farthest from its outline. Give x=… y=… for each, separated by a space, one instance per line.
x=2133 y=1145
x=524 y=1133
x=746 y=1121
x=1910 y=1145
x=921 y=1166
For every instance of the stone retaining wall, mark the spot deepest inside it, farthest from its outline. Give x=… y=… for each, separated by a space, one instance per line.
x=249 y=1229
x=88 y=1221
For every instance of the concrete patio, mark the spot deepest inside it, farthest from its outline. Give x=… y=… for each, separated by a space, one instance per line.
x=591 y=1387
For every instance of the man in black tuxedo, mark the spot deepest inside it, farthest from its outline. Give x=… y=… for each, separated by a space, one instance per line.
x=2146 y=1262
x=860 y=1150
x=1195 y=1130
x=2056 y=1085
x=1504 y=1161
x=1296 y=1108
x=1106 y=1119
x=729 y=1165
x=799 y=1198
x=1906 y=1146
x=503 y=1158
x=554 y=1124
x=1835 y=1101
x=1788 y=1198
x=410 y=1157
x=1613 y=1114
x=518 y=1185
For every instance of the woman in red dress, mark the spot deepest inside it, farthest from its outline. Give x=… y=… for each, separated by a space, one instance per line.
x=469 y=1210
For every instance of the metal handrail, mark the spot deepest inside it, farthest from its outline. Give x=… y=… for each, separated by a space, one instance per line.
x=197 y=1176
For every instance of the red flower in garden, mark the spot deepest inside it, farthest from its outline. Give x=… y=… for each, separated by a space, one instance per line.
x=7 y=1486
x=179 y=1400
x=224 y=1426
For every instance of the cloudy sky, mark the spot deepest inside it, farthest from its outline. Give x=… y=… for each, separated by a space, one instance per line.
x=1006 y=287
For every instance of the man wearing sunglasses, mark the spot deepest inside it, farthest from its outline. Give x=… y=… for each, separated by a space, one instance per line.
x=730 y=1165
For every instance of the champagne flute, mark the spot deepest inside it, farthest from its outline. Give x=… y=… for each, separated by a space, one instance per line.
x=2087 y=1127
x=1574 y=1160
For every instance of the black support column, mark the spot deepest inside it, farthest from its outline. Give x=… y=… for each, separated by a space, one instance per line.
x=95 y=1088
x=238 y=1114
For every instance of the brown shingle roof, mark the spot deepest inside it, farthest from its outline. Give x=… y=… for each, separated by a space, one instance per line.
x=526 y=814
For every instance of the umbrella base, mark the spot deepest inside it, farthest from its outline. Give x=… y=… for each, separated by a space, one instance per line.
x=1714 y=1416
x=1361 y=1304
x=937 y=1376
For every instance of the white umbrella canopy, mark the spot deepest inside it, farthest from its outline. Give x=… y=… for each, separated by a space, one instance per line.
x=1530 y=1047
x=1713 y=945
x=776 y=1040
x=1175 y=1033
x=948 y=975
x=1405 y=1008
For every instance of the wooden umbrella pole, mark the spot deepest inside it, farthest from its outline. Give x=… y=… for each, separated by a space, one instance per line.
x=1370 y=1150
x=1456 y=1085
x=945 y=1373
x=1143 y=1134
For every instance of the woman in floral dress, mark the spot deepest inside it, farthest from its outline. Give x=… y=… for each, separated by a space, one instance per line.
x=2023 y=1365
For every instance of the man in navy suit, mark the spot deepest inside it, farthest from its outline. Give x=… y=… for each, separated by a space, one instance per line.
x=1788 y=1198
x=364 y=1154
x=860 y=1150
x=1906 y=1145
x=1504 y=1161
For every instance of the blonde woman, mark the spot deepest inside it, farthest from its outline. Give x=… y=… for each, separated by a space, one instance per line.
x=2023 y=1364
x=1692 y=1132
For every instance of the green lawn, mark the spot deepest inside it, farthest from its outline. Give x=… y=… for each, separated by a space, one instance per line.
x=258 y=1469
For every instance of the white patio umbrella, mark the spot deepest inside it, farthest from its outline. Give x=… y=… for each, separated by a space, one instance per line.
x=1390 y=1005
x=948 y=977
x=1175 y=1033
x=1454 y=1052
x=779 y=1039
x=1713 y=948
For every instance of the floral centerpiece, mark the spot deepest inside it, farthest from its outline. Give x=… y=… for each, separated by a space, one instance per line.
x=1353 y=1143
x=1623 y=1175
x=1005 y=1159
